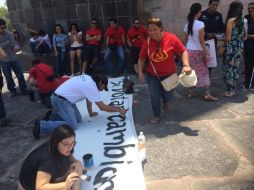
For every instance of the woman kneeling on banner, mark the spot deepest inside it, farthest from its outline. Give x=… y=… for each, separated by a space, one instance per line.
x=52 y=165
x=160 y=50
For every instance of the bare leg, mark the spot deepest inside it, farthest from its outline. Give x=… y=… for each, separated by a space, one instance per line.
x=72 y=59
x=79 y=56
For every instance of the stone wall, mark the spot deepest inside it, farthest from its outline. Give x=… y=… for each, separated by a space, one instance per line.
x=173 y=13
x=46 y=13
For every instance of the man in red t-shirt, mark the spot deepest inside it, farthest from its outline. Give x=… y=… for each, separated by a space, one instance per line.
x=115 y=42
x=136 y=35
x=42 y=77
x=92 y=50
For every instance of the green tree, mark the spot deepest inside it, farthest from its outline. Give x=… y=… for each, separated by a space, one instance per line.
x=5 y=15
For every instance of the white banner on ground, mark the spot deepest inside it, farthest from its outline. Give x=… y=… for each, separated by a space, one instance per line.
x=113 y=143
x=210 y=46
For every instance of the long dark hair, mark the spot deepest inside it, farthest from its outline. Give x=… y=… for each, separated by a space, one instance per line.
x=60 y=26
x=236 y=11
x=76 y=26
x=62 y=132
x=194 y=9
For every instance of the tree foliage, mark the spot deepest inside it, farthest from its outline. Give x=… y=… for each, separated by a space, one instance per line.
x=5 y=15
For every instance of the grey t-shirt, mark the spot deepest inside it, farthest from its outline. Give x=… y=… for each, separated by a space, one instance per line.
x=7 y=43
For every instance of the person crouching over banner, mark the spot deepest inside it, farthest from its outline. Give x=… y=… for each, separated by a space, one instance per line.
x=162 y=48
x=52 y=165
x=65 y=97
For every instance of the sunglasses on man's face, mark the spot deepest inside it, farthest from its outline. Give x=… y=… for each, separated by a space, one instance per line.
x=95 y=23
x=136 y=22
x=250 y=8
x=3 y=27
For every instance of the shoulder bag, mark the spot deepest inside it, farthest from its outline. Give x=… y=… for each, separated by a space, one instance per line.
x=168 y=83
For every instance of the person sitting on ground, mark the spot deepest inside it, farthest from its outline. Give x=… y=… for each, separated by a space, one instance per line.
x=39 y=42
x=3 y=120
x=52 y=165
x=44 y=45
x=65 y=97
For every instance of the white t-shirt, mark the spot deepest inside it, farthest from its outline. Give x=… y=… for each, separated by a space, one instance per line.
x=193 y=41
x=75 y=42
x=78 y=88
x=45 y=39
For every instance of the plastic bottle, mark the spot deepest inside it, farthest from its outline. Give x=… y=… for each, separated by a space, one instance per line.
x=141 y=146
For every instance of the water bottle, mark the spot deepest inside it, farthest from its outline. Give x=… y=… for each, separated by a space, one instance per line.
x=141 y=146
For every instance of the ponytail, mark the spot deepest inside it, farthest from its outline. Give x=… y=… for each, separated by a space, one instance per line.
x=195 y=8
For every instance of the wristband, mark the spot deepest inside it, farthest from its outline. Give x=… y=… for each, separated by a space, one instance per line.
x=186 y=66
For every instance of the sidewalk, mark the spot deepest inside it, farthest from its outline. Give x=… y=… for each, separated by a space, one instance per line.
x=197 y=145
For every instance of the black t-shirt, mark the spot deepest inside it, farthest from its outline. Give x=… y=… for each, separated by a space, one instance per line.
x=213 y=22
x=39 y=160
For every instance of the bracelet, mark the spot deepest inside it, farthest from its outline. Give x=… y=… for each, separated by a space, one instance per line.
x=186 y=66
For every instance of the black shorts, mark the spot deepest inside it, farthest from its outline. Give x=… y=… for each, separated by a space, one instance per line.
x=135 y=54
x=90 y=52
x=76 y=48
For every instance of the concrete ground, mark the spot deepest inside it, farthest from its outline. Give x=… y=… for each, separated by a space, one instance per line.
x=197 y=145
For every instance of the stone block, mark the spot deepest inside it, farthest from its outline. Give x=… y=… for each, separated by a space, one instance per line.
x=28 y=15
x=123 y=8
x=37 y=14
x=95 y=10
x=82 y=11
x=80 y=1
x=11 y=5
x=47 y=13
x=109 y=9
x=35 y=3
x=46 y=3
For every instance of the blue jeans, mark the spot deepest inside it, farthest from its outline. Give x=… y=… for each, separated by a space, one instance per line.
x=63 y=112
x=2 y=110
x=16 y=67
x=60 y=64
x=157 y=92
x=107 y=58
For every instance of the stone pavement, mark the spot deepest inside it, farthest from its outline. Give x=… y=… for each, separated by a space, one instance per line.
x=197 y=145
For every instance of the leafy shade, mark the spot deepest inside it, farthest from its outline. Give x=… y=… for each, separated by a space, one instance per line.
x=5 y=15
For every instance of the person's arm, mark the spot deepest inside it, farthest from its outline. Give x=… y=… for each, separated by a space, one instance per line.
x=43 y=182
x=230 y=25
x=2 y=53
x=141 y=65
x=79 y=37
x=202 y=42
x=90 y=109
x=186 y=65
x=185 y=38
x=54 y=44
x=108 y=108
x=32 y=82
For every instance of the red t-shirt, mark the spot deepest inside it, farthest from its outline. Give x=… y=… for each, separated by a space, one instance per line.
x=112 y=32
x=43 y=85
x=162 y=54
x=93 y=32
x=137 y=36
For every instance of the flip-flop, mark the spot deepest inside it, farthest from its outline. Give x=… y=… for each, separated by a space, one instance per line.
x=155 y=120
x=227 y=94
x=210 y=98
